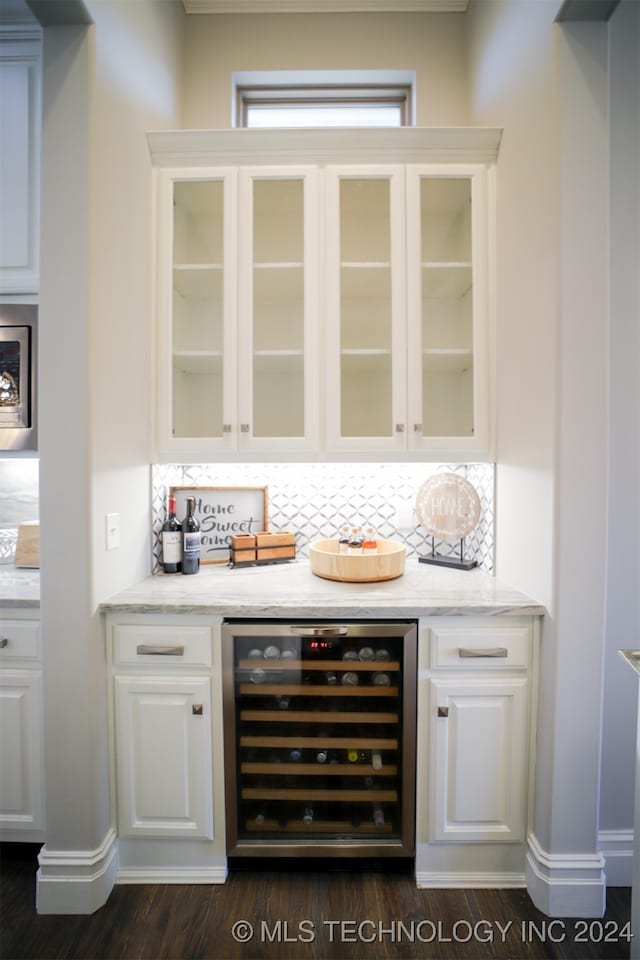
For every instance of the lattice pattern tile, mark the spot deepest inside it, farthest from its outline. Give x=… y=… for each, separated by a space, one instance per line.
x=316 y=500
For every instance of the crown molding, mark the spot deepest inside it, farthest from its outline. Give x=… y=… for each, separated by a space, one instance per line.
x=325 y=6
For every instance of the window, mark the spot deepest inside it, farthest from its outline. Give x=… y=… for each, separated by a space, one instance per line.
x=326 y=98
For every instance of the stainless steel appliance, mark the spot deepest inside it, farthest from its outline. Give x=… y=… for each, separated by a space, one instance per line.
x=18 y=383
x=320 y=726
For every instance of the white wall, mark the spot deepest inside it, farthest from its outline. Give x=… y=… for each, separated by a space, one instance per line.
x=431 y=44
x=558 y=397
x=622 y=622
x=104 y=87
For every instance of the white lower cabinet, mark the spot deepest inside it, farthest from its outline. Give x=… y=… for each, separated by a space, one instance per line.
x=163 y=744
x=476 y=704
x=166 y=741
x=21 y=759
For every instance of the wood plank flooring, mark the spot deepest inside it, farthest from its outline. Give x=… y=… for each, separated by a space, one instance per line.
x=282 y=913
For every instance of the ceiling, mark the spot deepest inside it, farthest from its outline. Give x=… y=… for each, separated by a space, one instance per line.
x=325 y=6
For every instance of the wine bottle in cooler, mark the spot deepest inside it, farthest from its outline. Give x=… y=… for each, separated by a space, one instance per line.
x=190 y=540
x=171 y=540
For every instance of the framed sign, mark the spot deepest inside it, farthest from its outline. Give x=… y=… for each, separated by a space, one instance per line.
x=221 y=513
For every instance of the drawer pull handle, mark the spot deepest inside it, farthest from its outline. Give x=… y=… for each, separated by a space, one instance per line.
x=443 y=712
x=320 y=631
x=497 y=652
x=4 y=642
x=150 y=649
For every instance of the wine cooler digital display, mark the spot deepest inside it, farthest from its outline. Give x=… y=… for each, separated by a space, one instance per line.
x=320 y=738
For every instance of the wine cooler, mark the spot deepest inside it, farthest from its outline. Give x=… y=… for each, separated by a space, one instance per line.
x=320 y=722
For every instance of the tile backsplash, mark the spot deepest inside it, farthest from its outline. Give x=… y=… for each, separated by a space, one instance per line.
x=315 y=500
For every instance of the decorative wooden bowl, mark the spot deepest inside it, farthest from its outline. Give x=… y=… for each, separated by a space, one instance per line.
x=386 y=564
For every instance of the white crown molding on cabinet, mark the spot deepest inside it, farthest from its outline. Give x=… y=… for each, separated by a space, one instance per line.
x=325 y=6
x=171 y=148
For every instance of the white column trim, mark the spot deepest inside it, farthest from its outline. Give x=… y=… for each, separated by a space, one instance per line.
x=76 y=881
x=616 y=847
x=565 y=885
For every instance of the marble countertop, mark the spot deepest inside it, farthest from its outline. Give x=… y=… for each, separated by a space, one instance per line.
x=632 y=659
x=19 y=587
x=292 y=590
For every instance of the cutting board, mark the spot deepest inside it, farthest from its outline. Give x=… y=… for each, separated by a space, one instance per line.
x=28 y=545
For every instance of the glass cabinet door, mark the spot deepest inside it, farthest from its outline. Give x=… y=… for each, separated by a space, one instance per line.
x=278 y=309
x=195 y=388
x=366 y=348
x=446 y=373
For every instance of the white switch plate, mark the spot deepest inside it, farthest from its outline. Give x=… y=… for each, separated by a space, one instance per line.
x=405 y=515
x=112 y=531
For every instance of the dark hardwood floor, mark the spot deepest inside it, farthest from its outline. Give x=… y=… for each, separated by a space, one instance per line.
x=286 y=912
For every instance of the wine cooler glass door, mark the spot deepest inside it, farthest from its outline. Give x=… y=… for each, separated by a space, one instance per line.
x=320 y=738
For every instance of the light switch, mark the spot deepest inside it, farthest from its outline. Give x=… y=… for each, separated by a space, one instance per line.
x=112 y=531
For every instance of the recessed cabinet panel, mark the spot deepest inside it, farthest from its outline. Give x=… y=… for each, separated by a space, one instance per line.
x=164 y=749
x=278 y=308
x=198 y=309
x=21 y=789
x=447 y=306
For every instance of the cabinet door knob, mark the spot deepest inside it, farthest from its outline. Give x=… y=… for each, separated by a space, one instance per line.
x=4 y=642
x=226 y=428
x=197 y=709
x=417 y=427
x=443 y=712
x=244 y=428
x=399 y=427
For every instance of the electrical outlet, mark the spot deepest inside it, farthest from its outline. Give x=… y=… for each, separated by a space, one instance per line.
x=112 y=531
x=405 y=516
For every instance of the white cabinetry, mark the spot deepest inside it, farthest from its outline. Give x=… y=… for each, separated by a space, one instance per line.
x=20 y=80
x=476 y=697
x=407 y=309
x=237 y=310
x=166 y=746
x=21 y=760
x=324 y=296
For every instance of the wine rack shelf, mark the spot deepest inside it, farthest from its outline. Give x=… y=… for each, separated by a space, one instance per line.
x=319 y=736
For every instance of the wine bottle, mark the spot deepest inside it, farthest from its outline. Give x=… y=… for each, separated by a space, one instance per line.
x=272 y=652
x=381 y=680
x=322 y=755
x=261 y=815
x=378 y=815
x=171 y=540
x=283 y=702
x=307 y=816
x=349 y=679
x=365 y=653
x=190 y=540
x=376 y=760
x=295 y=755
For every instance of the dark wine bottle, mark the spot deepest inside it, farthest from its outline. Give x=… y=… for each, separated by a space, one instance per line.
x=171 y=540
x=308 y=815
x=190 y=540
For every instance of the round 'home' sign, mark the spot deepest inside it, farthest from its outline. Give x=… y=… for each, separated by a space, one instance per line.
x=448 y=506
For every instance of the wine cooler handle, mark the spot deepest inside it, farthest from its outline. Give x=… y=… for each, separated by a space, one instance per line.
x=498 y=652
x=4 y=642
x=150 y=649
x=331 y=631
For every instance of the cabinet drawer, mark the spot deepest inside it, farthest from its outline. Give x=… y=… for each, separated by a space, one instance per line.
x=480 y=647
x=171 y=647
x=19 y=640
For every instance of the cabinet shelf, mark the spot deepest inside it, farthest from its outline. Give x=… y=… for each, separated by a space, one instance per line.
x=365 y=281
x=313 y=716
x=318 y=826
x=447 y=361
x=198 y=361
x=446 y=281
x=345 y=743
x=378 y=666
x=319 y=769
x=328 y=690
x=312 y=794
x=198 y=281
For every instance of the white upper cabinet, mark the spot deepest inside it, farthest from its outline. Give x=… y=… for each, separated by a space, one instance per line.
x=448 y=240
x=20 y=94
x=335 y=303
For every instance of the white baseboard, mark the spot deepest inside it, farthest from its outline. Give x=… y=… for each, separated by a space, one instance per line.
x=172 y=875
x=76 y=881
x=565 y=885
x=471 y=880
x=617 y=848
